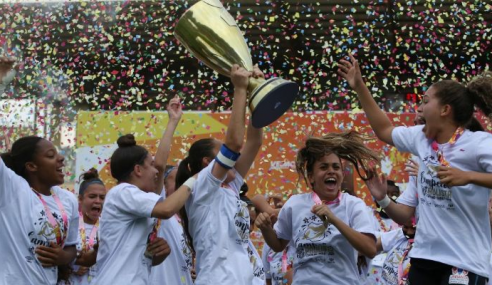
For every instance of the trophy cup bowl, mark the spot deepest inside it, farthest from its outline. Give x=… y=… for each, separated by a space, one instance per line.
x=211 y=35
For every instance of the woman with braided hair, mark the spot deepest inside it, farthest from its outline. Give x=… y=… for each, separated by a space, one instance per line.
x=326 y=227
x=452 y=244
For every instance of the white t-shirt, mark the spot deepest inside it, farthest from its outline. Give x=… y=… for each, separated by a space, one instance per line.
x=176 y=267
x=219 y=226
x=87 y=278
x=453 y=226
x=257 y=263
x=395 y=244
x=323 y=255
x=24 y=226
x=272 y=262
x=125 y=228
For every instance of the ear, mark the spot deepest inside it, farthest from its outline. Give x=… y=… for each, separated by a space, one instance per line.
x=310 y=179
x=206 y=161
x=137 y=170
x=31 y=166
x=446 y=110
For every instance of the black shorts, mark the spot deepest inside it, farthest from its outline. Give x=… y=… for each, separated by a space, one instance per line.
x=428 y=272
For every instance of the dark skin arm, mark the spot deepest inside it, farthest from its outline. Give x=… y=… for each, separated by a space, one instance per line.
x=159 y=250
x=54 y=255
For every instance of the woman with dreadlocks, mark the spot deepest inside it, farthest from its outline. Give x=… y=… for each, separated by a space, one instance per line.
x=326 y=226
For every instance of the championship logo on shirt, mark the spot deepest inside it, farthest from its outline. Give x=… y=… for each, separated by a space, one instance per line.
x=314 y=229
x=242 y=222
x=311 y=236
x=459 y=276
x=43 y=231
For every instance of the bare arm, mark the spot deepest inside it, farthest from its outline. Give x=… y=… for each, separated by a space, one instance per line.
x=235 y=130
x=379 y=245
x=363 y=243
x=169 y=207
x=401 y=214
x=254 y=139
x=175 y=112
x=87 y=259
x=455 y=177
x=380 y=123
x=264 y=223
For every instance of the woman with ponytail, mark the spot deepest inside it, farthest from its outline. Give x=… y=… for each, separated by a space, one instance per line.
x=452 y=244
x=130 y=220
x=215 y=219
x=326 y=226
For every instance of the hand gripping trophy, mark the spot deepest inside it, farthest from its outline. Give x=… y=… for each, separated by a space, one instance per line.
x=211 y=34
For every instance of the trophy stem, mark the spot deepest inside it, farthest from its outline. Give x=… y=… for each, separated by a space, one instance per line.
x=253 y=84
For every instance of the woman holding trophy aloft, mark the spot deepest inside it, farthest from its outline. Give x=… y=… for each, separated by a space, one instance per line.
x=214 y=218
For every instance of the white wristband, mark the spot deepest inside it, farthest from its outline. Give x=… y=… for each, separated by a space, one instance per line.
x=190 y=182
x=385 y=202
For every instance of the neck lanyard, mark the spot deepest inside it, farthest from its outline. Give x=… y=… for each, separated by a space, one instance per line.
x=92 y=237
x=318 y=201
x=60 y=235
x=440 y=155
x=155 y=230
x=403 y=274
x=285 y=264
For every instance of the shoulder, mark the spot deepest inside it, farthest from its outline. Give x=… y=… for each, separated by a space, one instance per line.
x=65 y=194
x=352 y=200
x=298 y=199
x=478 y=136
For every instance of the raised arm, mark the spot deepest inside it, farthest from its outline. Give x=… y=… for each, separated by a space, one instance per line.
x=362 y=242
x=254 y=140
x=264 y=223
x=380 y=123
x=234 y=139
x=401 y=214
x=175 y=112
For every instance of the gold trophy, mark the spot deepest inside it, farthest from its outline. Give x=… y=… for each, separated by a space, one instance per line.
x=211 y=34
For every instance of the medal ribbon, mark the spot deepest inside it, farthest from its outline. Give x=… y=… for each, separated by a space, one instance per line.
x=60 y=236
x=403 y=274
x=440 y=155
x=92 y=237
x=318 y=201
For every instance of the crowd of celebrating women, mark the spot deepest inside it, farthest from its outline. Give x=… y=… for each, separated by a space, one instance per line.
x=190 y=223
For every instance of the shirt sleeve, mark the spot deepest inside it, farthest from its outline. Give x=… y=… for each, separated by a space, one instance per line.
x=12 y=186
x=406 y=139
x=484 y=155
x=136 y=202
x=266 y=264
x=409 y=197
x=206 y=185
x=73 y=230
x=390 y=239
x=237 y=182
x=283 y=226
x=359 y=219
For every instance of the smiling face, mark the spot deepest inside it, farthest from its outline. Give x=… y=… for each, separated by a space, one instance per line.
x=92 y=201
x=47 y=164
x=147 y=174
x=327 y=176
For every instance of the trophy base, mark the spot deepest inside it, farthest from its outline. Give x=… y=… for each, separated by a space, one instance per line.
x=271 y=100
